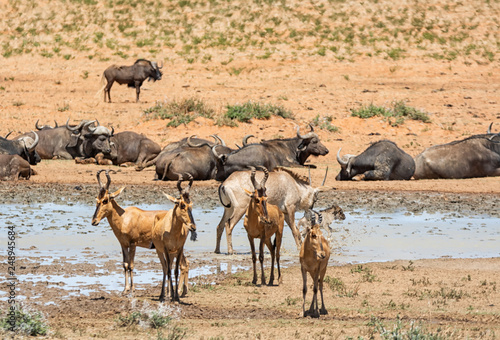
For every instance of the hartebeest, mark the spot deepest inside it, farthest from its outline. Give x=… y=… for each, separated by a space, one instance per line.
x=170 y=233
x=314 y=256
x=262 y=221
x=132 y=227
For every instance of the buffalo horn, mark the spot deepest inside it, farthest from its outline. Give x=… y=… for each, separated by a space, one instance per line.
x=31 y=146
x=36 y=125
x=245 y=139
x=489 y=128
x=55 y=122
x=215 y=152
x=310 y=134
x=341 y=162
x=7 y=135
x=193 y=145
x=112 y=131
x=220 y=140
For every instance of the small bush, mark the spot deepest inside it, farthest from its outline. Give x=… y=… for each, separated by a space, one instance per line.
x=245 y=112
x=26 y=322
x=399 y=111
x=182 y=112
x=324 y=123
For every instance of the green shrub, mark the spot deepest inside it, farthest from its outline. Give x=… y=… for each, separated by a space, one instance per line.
x=26 y=322
x=324 y=123
x=399 y=110
x=245 y=112
x=181 y=112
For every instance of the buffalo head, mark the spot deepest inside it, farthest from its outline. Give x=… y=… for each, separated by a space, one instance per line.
x=29 y=144
x=345 y=166
x=310 y=145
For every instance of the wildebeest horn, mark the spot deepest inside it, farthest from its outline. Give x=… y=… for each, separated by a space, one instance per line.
x=245 y=139
x=310 y=134
x=489 y=128
x=341 y=162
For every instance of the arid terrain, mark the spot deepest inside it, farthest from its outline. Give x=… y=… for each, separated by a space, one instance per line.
x=320 y=60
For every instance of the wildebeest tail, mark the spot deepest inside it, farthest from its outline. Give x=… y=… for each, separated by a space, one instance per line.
x=99 y=93
x=221 y=189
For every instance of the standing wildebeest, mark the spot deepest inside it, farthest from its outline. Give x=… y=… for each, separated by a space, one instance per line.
x=130 y=148
x=383 y=160
x=133 y=76
x=193 y=156
x=270 y=154
x=476 y=156
x=24 y=146
x=289 y=191
x=13 y=167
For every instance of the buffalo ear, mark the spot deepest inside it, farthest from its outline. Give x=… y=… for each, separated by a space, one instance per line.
x=116 y=193
x=73 y=141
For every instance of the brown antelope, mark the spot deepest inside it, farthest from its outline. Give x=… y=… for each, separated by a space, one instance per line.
x=262 y=221
x=132 y=227
x=314 y=256
x=169 y=236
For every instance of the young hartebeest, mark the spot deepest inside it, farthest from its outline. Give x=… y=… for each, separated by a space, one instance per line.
x=262 y=221
x=132 y=227
x=314 y=256
x=170 y=233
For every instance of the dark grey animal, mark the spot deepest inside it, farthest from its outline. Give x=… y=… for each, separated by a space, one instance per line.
x=133 y=76
x=95 y=141
x=383 y=160
x=476 y=156
x=190 y=155
x=130 y=148
x=14 y=167
x=24 y=146
x=291 y=152
x=63 y=142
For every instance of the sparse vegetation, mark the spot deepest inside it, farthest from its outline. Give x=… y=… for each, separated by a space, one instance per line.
x=324 y=123
x=402 y=330
x=245 y=112
x=26 y=322
x=398 y=111
x=179 y=112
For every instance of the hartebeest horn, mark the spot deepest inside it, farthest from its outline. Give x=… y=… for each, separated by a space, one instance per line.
x=266 y=176
x=98 y=175
x=109 y=178
x=313 y=219
x=245 y=139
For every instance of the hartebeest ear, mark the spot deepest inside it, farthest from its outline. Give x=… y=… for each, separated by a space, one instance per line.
x=116 y=193
x=171 y=198
x=249 y=193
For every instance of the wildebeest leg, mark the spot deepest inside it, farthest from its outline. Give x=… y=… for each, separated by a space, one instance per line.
x=254 y=259
x=137 y=90
x=107 y=90
x=290 y=220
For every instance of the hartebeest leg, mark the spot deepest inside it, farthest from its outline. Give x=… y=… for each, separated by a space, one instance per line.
x=254 y=259
x=304 y=290
x=313 y=310
x=125 y=263
x=272 y=250
x=177 y=266
x=169 y=273
x=131 y=266
x=277 y=244
x=261 y=258
x=323 y=310
x=164 y=266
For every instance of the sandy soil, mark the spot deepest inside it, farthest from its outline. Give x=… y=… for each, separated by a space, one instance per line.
x=458 y=298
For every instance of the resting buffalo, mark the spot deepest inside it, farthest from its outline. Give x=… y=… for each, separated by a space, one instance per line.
x=13 y=167
x=189 y=155
x=476 y=156
x=383 y=160
x=133 y=76
x=24 y=146
x=290 y=152
x=67 y=142
x=130 y=148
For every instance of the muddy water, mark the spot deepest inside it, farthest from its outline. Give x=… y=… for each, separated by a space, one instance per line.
x=54 y=231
